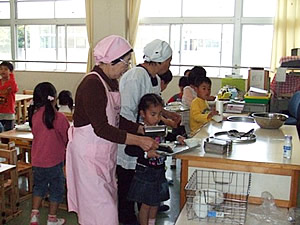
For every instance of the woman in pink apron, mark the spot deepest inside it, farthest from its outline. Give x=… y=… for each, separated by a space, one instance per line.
x=98 y=128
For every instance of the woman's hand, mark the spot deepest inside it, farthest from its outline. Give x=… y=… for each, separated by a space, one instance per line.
x=180 y=139
x=152 y=154
x=169 y=122
x=147 y=143
x=172 y=115
x=141 y=130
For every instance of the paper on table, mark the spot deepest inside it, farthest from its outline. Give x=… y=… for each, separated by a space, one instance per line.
x=258 y=90
x=281 y=74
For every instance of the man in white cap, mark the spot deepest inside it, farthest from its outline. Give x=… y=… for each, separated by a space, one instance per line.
x=134 y=84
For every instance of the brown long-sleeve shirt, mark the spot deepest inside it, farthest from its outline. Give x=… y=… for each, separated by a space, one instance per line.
x=90 y=108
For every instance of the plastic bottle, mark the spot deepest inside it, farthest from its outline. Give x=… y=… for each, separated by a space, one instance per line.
x=287 y=147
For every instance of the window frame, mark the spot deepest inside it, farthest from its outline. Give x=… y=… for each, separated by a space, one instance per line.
x=13 y=22
x=237 y=20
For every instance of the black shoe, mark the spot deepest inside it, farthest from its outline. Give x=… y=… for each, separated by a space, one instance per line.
x=173 y=164
x=134 y=223
x=163 y=208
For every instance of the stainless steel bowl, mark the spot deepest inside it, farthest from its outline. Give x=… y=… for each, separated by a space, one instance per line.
x=247 y=119
x=269 y=120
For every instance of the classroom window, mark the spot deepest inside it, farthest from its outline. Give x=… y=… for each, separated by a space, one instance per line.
x=51 y=31
x=223 y=36
x=5 y=43
x=4 y=9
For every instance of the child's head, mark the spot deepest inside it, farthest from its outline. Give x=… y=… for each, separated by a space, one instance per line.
x=150 y=109
x=187 y=72
x=197 y=71
x=165 y=79
x=6 y=68
x=183 y=82
x=203 y=87
x=65 y=98
x=44 y=94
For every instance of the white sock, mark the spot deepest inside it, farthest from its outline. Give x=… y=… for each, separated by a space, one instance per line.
x=151 y=221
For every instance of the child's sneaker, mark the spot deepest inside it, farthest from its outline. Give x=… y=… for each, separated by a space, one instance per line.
x=59 y=221
x=34 y=220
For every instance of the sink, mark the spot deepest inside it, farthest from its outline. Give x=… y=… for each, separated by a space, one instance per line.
x=247 y=119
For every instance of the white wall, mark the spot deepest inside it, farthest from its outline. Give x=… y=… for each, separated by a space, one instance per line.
x=62 y=81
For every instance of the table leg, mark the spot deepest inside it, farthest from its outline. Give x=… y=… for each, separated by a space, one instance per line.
x=24 y=109
x=15 y=191
x=294 y=188
x=2 y=205
x=19 y=106
x=183 y=181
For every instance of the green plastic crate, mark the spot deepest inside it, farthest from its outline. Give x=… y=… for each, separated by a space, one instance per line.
x=257 y=99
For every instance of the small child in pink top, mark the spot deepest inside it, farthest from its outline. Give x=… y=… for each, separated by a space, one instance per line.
x=49 y=129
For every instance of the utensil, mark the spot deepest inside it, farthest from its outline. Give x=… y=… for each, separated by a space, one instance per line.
x=248 y=134
x=270 y=120
x=247 y=119
x=155 y=131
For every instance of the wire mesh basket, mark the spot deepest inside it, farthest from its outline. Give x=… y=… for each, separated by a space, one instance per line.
x=219 y=197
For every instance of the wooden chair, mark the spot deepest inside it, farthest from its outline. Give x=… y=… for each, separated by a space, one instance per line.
x=24 y=169
x=69 y=116
x=27 y=92
x=9 y=187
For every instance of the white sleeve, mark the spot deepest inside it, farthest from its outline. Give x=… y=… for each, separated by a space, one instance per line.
x=132 y=88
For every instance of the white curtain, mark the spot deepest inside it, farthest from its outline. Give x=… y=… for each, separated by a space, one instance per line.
x=133 y=22
x=89 y=5
x=286 y=30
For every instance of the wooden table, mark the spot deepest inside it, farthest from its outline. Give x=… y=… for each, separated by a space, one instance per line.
x=265 y=156
x=4 y=216
x=21 y=107
x=22 y=139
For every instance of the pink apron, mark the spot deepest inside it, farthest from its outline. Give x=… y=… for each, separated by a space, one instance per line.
x=90 y=167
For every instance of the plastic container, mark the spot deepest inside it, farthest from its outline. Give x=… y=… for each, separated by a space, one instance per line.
x=257 y=99
x=287 y=147
x=218 y=197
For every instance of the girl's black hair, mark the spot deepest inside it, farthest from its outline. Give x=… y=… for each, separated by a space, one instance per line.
x=147 y=100
x=166 y=77
x=196 y=71
x=65 y=98
x=9 y=65
x=43 y=95
x=183 y=82
x=114 y=62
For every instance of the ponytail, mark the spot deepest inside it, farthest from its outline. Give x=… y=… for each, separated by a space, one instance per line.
x=43 y=95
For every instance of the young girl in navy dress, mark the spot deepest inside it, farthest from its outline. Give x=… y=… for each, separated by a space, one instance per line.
x=149 y=185
x=49 y=129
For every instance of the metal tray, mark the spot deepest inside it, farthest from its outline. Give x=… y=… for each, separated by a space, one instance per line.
x=223 y=135
x=247 y=119
x=177 y=149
